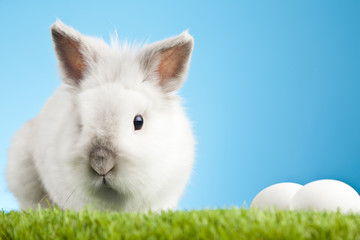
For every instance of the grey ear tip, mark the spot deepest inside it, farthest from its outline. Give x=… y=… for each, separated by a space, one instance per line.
x=55 y=32
x=57 y=26
x=54 y=28
x=186 y=34
x=187 y=37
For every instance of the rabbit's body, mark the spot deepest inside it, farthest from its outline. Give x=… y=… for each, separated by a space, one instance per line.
x=114 y=135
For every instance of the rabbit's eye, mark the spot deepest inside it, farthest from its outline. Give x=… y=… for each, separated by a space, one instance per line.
x=138 y=122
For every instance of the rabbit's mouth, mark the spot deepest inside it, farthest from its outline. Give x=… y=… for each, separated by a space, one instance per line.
x=104 y=182
x=107 y=193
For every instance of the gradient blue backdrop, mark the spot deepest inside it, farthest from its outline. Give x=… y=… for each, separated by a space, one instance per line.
x=273 y=88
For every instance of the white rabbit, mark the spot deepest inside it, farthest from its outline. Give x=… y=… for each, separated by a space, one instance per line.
x=114 y=135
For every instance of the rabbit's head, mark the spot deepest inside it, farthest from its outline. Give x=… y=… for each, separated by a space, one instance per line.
x=134 y=146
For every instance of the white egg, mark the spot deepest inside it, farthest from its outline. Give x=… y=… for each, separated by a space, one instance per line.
x=330 y=195
x=277 y=195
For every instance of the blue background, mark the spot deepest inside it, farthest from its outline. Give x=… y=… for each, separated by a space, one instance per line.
x=273 y=89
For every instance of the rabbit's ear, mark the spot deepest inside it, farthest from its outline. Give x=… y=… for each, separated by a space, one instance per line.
x=71 y=51
x=168 y=60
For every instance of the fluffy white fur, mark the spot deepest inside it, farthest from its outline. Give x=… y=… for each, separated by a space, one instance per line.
x=94 y=108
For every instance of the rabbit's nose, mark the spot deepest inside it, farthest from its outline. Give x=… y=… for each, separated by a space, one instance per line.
x=102 y=161
x=102 y=166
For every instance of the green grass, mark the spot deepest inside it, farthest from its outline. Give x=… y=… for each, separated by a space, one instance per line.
x=232 y=223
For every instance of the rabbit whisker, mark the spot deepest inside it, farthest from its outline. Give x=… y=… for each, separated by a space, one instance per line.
x=42 y=199
x=67 y=199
